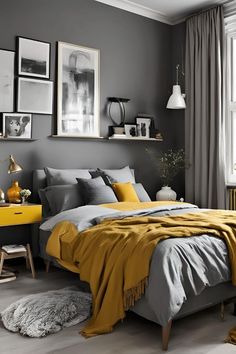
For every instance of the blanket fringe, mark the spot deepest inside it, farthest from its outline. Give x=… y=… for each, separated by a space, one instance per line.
x=134 y=294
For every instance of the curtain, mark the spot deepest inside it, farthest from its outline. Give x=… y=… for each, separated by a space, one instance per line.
x=204 y=115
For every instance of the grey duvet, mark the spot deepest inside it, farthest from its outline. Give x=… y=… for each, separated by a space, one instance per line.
x=180 y=267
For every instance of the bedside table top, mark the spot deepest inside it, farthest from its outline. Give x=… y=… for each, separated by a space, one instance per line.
x=20 y=214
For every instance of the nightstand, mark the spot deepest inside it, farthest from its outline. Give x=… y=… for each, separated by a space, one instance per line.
x=20 y=214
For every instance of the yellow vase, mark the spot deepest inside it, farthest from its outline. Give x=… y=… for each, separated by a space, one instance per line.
x=13 y=193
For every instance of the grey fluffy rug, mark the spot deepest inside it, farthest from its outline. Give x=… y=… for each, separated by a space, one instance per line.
x=44 y=313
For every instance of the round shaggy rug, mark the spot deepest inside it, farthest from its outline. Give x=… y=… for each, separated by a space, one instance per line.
x=40 y=314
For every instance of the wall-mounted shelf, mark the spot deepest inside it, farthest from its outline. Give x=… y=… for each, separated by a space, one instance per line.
x=103 y=138
x=17 y=139
x=77 y=137
x=134 y=139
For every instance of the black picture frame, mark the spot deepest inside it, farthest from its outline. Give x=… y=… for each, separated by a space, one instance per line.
x=34 y=96
x=33 y=58
x=17 y=125
x=78 y=113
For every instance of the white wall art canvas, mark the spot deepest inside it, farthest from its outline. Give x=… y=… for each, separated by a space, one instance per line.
x=7 y=60
x=33 y=58
x=78 y=91
x=34 y=96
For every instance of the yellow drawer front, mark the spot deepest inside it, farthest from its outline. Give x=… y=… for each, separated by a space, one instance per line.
x=17 y=215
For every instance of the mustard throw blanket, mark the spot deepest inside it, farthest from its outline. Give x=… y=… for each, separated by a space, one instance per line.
x=114 y=256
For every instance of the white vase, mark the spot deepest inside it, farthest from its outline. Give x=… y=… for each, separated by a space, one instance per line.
x=166 y=193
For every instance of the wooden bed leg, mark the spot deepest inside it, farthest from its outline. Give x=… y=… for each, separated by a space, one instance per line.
x=166 y=335
x=222 y=311
x=47 y=266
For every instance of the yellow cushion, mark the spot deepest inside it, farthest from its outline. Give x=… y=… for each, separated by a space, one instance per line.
x=125 y=192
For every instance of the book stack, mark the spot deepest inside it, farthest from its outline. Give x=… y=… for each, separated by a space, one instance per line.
x=10 y=249
x=7 y=276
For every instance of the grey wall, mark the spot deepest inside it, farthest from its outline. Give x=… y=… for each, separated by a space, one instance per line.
x=138 y=56
x=136 y=62
x=176 y=135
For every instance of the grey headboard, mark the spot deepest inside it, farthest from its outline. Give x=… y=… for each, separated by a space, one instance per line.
x=39 y=181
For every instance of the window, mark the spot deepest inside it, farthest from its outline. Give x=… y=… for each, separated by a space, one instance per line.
x=230 y=27
x=231 y=107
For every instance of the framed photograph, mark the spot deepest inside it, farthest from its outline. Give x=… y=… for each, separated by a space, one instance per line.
x=33 y=58
x=130 y=130
x=143 y=127
x=7 y=64
x=34 y=96
x=78 y=91
x=17 y=125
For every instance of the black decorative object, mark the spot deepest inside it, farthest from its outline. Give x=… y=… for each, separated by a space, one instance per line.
x=120 y=102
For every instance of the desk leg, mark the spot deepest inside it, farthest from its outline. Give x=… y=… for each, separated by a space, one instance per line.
x=1 y=262
x=29 y=255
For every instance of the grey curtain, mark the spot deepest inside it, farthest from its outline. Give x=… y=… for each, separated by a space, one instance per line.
x=204 y=115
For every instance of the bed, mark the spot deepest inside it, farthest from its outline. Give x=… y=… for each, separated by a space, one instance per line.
x=201 y=291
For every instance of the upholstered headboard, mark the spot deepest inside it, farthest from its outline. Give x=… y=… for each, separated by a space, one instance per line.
x=39 y=182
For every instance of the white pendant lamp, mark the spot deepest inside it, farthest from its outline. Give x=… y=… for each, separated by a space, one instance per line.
x=176 y=100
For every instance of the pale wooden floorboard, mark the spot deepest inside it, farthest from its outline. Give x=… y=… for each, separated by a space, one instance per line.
x=202 y=333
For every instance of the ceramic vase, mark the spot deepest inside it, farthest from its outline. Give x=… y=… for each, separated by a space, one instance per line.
x=13 y=193
x=166 y=193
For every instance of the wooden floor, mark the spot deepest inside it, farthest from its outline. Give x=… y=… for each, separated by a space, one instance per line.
x=202 y=333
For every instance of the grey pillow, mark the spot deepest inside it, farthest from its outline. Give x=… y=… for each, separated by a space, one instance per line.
x=141 y=192
x=122 y=175
x=59 y=177
x=100 y=173
x=63 y=197
x=95 y=191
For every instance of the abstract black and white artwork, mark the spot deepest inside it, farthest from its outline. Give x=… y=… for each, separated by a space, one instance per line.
x=17 y=125
x=33 y=58
x=7 y=60
x=34 y=96
x=78 y=91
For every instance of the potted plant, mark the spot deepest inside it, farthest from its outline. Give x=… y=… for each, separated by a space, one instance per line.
x=169 y=164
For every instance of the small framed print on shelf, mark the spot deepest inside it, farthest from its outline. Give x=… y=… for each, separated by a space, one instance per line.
x=143 y=127
x=130 y=130
x=34 y=96
x=33 y=58
x=17 y=125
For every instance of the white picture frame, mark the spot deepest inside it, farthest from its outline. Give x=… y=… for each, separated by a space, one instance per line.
x=131 y=130
x=34 y=96
x=17 y=125
x=7 y=65
x=33 y=58
x=78 y=91
x=143 y=127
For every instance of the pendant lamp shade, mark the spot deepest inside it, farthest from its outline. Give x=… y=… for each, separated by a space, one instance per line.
x=176 y=100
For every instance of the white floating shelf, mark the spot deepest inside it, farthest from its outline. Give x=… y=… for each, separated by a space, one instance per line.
x=134 y=139
x=77 y=137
